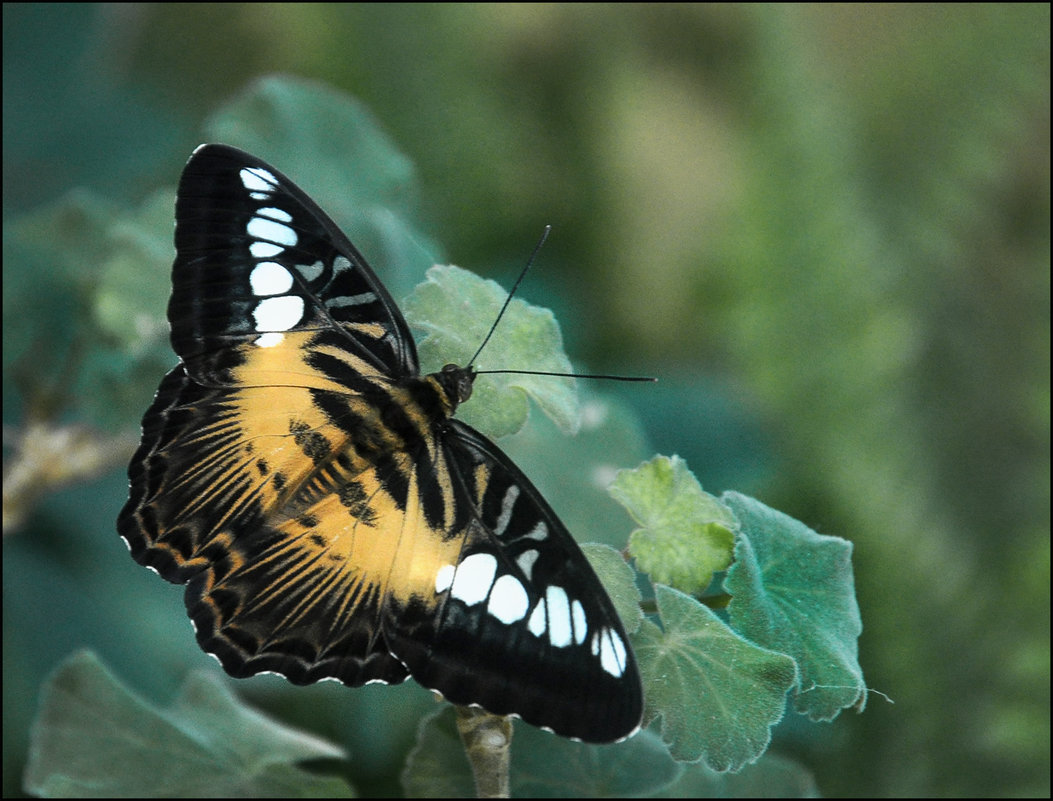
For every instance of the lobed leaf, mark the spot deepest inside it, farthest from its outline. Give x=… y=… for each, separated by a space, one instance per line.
x=718 y=695
x=94 y=737
x=793 y=591
x=686 y=534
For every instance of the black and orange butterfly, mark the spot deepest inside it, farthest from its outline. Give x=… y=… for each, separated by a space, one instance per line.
x=329 y=516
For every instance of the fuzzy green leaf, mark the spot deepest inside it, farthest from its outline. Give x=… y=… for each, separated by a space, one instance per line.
x=455 y=310
x=793 y=591
x=110 y=259
x=686 y=534
x=94 y=737
x=437 y=767
x=103 y=276
x=717 y=694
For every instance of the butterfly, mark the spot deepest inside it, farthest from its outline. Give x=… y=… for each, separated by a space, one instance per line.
x=329 y=516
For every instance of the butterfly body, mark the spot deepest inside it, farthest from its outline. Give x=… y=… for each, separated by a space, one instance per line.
x=328 y=514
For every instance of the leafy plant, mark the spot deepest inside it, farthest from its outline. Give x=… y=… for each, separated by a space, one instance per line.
x=740 y=605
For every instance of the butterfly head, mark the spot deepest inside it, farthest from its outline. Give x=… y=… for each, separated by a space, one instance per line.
x=456 y=382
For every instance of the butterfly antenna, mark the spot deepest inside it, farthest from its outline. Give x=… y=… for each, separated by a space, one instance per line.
x=500 y=314
x=512 y=292
x=573 y=375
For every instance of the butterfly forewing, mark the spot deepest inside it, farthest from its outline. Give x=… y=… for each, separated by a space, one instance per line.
x=255 y=256
x=329 y=517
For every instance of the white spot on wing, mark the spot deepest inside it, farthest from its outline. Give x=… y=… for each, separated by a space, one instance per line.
x=269 y=340
x=612 y=651
x=258 y=181
x=538 y=622
x=264 y=250
x=474 y=578
x=560 y=631
x=275 y=214
x=272 y=231
x=278 y=314
x=444 y=578
x=526 y=561
x=507 y=503
x=577 y=613
x=270 y=278
x=508 y=600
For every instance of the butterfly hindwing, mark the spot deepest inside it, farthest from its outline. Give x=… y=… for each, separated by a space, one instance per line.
x=526 y=627
x=328 y=515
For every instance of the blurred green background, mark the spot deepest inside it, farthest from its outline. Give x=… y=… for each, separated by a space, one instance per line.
x=825 y=228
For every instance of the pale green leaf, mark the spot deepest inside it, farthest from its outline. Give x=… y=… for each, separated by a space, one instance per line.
x=135 y=280
x=686 y=534
x=103 y=274
x=771 y=776
x=455 y=310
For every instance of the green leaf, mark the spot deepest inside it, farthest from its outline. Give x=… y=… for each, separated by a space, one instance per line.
x=543 y=765
x=793 y=591
x=437 y=767
x=718 y=695
x=51 y=259
x=108 y=259
x=135 y=279
x=546 y=766
x=102 y=272
x=456 y=309
x=620 y=582
x=279 y=114
x=686 y=535
x=94 y=737
x=771 y=776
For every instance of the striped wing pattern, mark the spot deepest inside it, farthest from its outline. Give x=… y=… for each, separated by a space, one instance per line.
x=328 y=515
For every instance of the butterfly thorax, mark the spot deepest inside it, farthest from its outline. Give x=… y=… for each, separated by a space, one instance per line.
x=426 y=402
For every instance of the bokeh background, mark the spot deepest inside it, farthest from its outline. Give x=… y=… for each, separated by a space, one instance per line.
x=824 y=227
